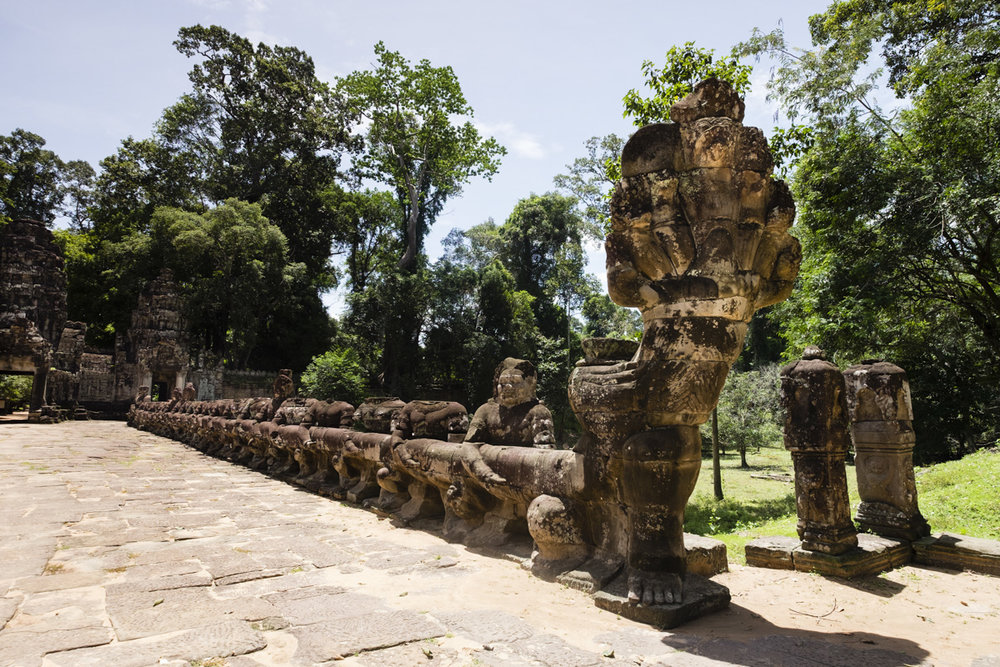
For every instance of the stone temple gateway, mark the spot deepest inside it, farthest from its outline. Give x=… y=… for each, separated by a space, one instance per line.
x=69 y=378
x=33 y=307
x=699 y=242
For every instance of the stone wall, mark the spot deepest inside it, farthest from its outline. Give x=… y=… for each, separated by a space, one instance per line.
x=32 y=282
x=243 y=384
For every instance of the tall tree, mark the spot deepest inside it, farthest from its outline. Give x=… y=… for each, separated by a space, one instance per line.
x=138 y=178
x=370 y=242
x=541 y=230
x=30 y=176
x=899 y=210
x=260 y=126
x=590 y=180
x=415 y=145
x=78 y=193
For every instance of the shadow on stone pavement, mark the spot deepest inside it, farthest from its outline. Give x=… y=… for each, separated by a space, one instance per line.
x=779 y=647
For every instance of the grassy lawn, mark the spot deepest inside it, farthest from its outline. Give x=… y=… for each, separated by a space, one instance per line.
x=958 y=497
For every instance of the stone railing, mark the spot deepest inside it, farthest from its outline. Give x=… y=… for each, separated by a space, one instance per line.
x=482 y=492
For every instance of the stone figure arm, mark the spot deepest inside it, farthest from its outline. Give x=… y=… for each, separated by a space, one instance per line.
x=402 y=453
x=472 y=461
x=478 y=428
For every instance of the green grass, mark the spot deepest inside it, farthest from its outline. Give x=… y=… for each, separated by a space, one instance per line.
x=962 y=496
x=957 y=497
x=752 y=507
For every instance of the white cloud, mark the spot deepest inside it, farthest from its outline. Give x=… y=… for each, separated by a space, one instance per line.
x=521 y=144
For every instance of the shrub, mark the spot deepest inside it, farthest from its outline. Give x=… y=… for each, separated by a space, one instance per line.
x=16 y=390
x=335 y=375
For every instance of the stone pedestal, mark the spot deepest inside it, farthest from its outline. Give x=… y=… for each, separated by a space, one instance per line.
x=812 y=392
x=873 y=554
x=878 y=400
x=701 y=596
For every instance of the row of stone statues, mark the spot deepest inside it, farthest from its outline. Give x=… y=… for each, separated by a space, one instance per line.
x=417 y=459
x=699 y=242
x=826 y=410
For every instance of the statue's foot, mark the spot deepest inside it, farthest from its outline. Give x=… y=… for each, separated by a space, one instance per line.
x=652 y=588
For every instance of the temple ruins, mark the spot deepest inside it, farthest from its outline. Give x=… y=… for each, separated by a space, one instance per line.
x=698 y=243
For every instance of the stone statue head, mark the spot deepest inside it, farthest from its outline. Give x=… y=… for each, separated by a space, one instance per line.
x=283 y=385
x=514 y=382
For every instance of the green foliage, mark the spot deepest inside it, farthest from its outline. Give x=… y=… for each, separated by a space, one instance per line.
x=749 y=412
x=684 y=66
x=898 y=211
x=590 y=179
x=257 y=126
x=78 y=193
x=139 y=177
x=232 y=267
x=371 y=241
x=16 y=391
x=475 y=316
x=606 y=319
x=261 y=127
x=554 y=366
x=413 y=143
x=29 y=178
x=335 y=375
x=541 y=247
x=787 y=144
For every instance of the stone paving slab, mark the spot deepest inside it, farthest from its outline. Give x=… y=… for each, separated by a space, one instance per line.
x=332 y=640
x=122 y=548
x=220 y=640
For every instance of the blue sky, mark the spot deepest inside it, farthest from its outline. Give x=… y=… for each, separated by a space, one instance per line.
x=542 y=76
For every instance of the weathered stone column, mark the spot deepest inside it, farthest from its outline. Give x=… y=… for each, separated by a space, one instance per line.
x=878 y=401
x=38 y=387
x=813 y=395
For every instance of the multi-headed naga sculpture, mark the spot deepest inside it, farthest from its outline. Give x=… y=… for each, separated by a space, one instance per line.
x=699 y=242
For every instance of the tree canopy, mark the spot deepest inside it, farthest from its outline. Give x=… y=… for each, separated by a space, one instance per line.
x=898 y=210
x=416 y=144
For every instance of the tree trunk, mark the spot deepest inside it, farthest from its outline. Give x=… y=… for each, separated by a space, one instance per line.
x=402 y=329
x=743 y=456
x=716 y=465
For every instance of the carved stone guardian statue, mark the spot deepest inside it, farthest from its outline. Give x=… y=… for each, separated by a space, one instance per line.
x=699 y=242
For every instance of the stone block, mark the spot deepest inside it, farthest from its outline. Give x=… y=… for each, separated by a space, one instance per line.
x=705 y=557
x=771 y=552
x=873 y=554
x=958 y=552
x=333 y=640
x=701 y=596
x=215 y=640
